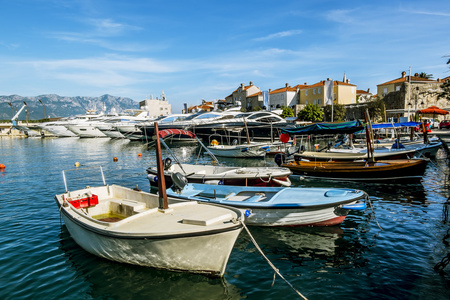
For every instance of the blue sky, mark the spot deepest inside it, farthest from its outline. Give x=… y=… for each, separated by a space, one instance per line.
x=196 y=50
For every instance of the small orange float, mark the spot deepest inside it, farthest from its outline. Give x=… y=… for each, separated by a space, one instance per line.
x=2 y=166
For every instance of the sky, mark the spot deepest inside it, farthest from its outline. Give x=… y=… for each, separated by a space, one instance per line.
x=194 y=50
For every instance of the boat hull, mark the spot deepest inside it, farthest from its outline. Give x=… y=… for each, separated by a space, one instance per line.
x=379 y=171
x=160 y=253
x=237 y=152
x=224 y=175
x=351 y=156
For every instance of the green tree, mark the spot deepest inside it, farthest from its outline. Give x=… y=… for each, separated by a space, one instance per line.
x=376 y=109
x=310 y=113
x=287 y=112
x=425 y=75
x=445 y=88
x=338 y=112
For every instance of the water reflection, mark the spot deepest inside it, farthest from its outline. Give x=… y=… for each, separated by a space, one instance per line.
x=103 y=279
x=330 y=246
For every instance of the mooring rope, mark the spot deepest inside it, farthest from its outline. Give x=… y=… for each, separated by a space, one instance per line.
x=271 y=264
x=371 y=207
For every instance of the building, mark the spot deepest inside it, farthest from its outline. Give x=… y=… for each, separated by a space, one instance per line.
x=405 y=95
x=248 y=97
x=156 y=107
x=363 y=96
x=286 y=96
x=342 y=93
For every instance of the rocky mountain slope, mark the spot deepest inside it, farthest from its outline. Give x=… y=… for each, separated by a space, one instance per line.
x=61 y=106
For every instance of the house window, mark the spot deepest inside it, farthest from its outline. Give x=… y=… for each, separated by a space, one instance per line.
x=318 y=90
x=385 y=91
x=397 y=88
x=306 y=93
x=318 y=101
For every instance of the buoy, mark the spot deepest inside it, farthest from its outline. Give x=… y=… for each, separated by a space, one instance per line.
x=139 y=154
x=115 y=159
x=284 y=137
x=77 y=164
x=2 y=166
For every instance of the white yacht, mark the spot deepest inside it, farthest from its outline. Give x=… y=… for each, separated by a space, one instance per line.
x=59 y=129
x=130 y=117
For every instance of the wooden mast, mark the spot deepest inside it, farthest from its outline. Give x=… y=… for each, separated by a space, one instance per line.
x=161 y=180
x=368 y=136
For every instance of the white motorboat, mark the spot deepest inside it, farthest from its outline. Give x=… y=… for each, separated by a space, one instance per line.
x=130 y=117
x=124 y=225
x=251 y=150
x=144 y=229
x=58 y=128
x=215 y=174
x=276 y=206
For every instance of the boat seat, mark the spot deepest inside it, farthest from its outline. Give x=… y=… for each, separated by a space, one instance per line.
x=127 y=207
x=219 y=194
x=254 y=198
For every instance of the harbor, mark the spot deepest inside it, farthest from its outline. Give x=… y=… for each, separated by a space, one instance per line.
x=389 y=250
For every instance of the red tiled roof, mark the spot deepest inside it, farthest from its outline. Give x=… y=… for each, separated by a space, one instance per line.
x=406 y=78
x=322 y=83
x=361 y=92
x=259 y=93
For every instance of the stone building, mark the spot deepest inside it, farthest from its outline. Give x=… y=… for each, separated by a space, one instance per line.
x=248 y=97
x=406 y=95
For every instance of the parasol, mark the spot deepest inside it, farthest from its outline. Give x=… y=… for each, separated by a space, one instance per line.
x=433 y=110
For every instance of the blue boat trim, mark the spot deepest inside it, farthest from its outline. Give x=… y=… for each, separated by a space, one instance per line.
x=356 y=206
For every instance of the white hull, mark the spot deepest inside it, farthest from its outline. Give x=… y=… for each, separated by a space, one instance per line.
x=85 y=131
x=149 y=237
x=114 y=134
x=59 y=130
x=294 y=217
x=239 y=151
x=179 y=254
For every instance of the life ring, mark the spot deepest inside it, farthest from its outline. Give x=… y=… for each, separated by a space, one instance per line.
x=214 y=143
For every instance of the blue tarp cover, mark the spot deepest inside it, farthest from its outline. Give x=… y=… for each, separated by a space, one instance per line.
x=327 y=128
x=396 y=125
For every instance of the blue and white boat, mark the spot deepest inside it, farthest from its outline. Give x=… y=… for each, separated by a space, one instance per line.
x=276 y=206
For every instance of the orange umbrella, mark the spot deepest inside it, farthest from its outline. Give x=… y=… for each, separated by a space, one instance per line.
x=434 y=110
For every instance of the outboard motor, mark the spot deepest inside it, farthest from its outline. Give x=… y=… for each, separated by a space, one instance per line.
x=179 y=182
x=167 y=163
x=280 y=159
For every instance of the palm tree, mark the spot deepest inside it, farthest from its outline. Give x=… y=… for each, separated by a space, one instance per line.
x=425 y=75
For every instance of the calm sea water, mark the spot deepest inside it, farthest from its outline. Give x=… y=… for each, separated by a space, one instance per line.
x=356 y=260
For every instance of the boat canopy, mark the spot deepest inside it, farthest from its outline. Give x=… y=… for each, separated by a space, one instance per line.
x=166 y=132
x=395 y=125
x=327 y=128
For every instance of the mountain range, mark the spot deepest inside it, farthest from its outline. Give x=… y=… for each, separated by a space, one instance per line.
x=56 y=106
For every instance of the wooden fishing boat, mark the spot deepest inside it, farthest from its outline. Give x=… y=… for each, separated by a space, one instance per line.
x=354 y=154
x=409 y=170
x=144 y=229
x=276 y=206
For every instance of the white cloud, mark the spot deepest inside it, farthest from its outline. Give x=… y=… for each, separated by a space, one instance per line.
x=278 y=35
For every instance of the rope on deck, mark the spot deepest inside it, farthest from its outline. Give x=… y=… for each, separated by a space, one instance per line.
x=271 y=264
